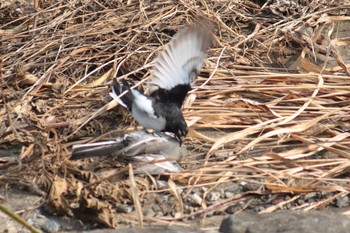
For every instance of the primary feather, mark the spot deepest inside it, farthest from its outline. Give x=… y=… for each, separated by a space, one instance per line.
x=181 y=59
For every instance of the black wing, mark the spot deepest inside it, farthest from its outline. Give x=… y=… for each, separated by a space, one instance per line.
x=176 y=68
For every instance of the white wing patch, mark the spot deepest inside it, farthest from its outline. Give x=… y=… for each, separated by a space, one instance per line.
x=181 y=58
x=143 y=103
x=142 y=110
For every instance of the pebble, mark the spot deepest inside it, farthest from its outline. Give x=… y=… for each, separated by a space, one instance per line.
x=229 y=194
x=213 y=196
x=195 y=199
x=161 y=184
x=243 y=183
x=124 y=208
x=47 y=225
x=149 y=212
x=301 y=201
x=258 y=208
x=342 y=201
x=232 y=209
x=234 y=188
x=309 y=196
x=74 y=205
x=164 y=198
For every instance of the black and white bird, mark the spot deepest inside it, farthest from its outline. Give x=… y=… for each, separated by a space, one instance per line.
x=173 y=73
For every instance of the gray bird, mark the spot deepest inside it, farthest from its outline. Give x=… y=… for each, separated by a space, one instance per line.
x=137 y=146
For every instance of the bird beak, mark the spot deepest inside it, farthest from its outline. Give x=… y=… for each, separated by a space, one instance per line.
x=179 y=138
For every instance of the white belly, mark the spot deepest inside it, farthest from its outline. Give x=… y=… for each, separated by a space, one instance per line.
x=147 y=121
x=143 y=112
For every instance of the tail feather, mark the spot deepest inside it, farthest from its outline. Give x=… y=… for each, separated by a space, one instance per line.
x=127 y=99
x=97 y=149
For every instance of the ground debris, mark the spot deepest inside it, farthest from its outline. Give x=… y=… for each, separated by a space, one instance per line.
x=268 y=116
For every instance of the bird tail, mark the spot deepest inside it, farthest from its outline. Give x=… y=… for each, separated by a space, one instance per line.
x=118 y=88
x=83 y=151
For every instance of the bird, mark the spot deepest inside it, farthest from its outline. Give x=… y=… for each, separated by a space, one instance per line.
x=137 y=147
x=173 y=73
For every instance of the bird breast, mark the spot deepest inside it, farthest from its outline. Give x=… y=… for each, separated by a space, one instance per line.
x=147 y=121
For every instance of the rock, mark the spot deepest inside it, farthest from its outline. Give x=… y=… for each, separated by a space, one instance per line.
x=161 y=184
x=149 y=212
x=310 y=197
x=213 y=196
x=229 y=194
x=232 y=209
x=125 y=208
x=195 y=199
x=47 y=225
x=286 y=222
x=173 y=229
x=342 y=201
x=258 y=208
x=233 y=188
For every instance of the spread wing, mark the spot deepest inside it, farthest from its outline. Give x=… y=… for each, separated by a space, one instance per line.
x=176 y=68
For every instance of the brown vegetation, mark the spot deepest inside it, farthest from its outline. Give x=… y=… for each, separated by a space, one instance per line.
x=273 y=95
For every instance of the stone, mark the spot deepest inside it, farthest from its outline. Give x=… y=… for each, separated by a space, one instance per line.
x=286 y=222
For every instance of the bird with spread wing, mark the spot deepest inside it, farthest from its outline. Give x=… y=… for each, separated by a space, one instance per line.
x=174 y=71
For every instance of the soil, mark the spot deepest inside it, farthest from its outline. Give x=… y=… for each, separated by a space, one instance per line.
x=48 y=56
x=335 y=220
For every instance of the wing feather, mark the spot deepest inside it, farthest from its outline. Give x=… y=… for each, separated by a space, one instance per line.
x=181 y=59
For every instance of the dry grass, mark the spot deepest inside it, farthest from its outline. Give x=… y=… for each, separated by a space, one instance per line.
x=284 y=130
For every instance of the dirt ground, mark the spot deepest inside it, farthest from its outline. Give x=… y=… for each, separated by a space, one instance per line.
x=322 y=221
x=268 y=117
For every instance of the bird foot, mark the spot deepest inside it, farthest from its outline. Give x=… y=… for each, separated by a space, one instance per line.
x=151 y=131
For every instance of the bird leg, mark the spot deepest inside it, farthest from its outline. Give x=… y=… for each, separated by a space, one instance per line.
x=149 y=131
